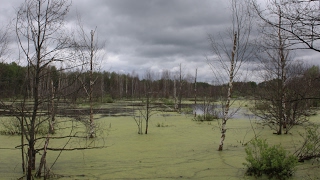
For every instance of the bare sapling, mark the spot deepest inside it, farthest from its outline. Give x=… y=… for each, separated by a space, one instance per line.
x=232 y=58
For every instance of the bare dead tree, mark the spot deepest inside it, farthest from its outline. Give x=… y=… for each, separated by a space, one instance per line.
x=231 y=59
x=144 y=112
x=165 y=78
x=147 y=113
x=147 y=108
x=91 y=56
x=87 y=51
x=181 y=82
x=138 y=119
x=41 y=37
x=36 y=26
x=175 y=93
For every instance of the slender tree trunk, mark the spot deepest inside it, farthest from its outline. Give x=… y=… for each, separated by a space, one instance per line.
x=283 y=86
x=31 y=150
x=147 y=114
x=180 y=88
x=22 y=142
x=92 y=130
x=132 y=87
x=205 y=108
x=141 y=124
x=282 y=103
x=230 y=86
x=32 y=130
x=195 y=93
x=43 y=159
x=52 y=121
x=102 y=88
x=175 y=93
x=127 y=87
x=22 y=119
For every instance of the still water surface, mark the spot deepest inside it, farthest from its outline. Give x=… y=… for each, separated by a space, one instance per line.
x=183 y=149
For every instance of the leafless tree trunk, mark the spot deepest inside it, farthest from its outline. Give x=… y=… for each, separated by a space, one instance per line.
x=148 y=113
x=120 y=81
x=230 y=86
x=180 y=87
x=88 y=48
x=147 y=110
x=52 y=110
x=283 y=65
x=38 y=25
x=138 y=119
x=195 y=92
x=231 y=59
x=273 y=102
x=175 y=93
x=42 y=164
x=144 y=114
x=165 y=78
x=92 y=129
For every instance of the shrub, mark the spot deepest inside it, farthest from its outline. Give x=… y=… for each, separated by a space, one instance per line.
x=275 y=162
x=207 y=117
x=108 y=99
x=161 y=125
x=310 y=146
x=187 y=110
x=168 y=102
x=261 y=106
x=12 y=126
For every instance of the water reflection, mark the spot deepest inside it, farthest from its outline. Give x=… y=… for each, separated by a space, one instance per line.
x=237 y=113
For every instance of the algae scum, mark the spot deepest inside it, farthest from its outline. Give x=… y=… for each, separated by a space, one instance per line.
x=178 y=149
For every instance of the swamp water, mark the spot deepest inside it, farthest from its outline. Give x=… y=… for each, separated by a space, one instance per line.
x=182 y=149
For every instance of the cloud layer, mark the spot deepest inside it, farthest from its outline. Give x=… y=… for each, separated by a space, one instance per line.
x=154 y=35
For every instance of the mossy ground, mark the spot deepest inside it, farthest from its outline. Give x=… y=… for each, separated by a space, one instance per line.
x=183 y=149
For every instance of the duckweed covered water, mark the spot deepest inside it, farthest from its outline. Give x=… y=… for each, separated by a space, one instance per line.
x=182 y=149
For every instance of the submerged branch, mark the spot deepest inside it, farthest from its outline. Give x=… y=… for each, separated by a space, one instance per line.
x=73 y=149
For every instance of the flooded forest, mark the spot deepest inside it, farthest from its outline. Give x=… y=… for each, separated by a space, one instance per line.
x=62 y=117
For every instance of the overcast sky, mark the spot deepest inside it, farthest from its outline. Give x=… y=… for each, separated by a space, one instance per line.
x=152 y=34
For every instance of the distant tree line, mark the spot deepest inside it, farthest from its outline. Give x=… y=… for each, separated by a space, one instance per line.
x=113 y=86
x=109 y=84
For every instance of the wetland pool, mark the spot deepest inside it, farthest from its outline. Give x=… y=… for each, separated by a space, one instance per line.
x=181 y=149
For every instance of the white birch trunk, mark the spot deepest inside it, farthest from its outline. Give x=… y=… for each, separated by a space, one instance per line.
x=91 y=126
x=195 y=94
x=52 y=121
x=230 y=86
x=175 y=93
